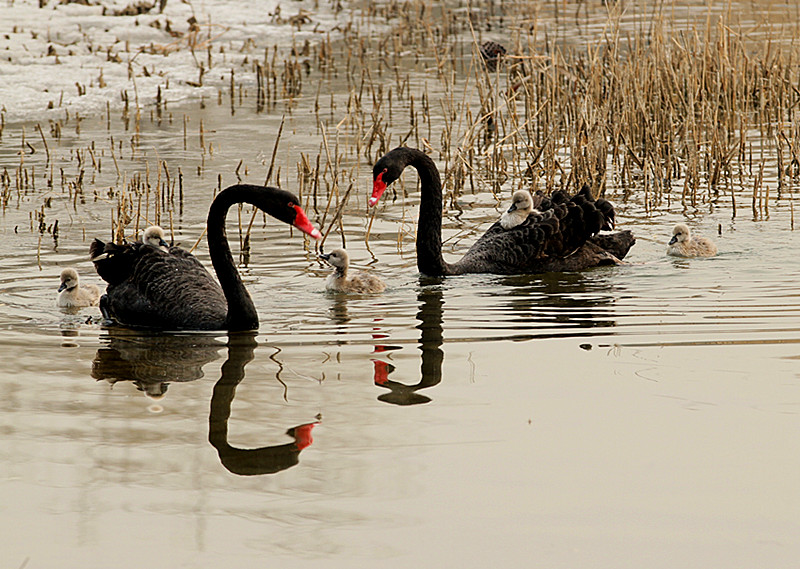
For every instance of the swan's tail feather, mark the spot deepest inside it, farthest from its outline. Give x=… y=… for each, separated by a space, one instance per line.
x=97 y=250
x=606 y=208
x=111 y=261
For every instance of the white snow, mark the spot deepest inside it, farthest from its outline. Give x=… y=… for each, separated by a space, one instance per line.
x=67 y=57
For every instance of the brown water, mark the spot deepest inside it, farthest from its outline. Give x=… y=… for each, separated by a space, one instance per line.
x=644 y=415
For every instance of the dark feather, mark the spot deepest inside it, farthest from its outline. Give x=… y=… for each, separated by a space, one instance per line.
x=167 y=290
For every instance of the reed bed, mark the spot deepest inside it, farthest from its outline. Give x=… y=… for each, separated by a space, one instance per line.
x=655 y=111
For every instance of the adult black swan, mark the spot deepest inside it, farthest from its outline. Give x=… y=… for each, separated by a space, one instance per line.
x=151 y=287
x=561 y=234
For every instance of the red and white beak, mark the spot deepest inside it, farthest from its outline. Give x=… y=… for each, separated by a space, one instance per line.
x=302 y=223
x=378 y=187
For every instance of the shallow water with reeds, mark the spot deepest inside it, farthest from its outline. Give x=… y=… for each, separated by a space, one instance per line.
x=640 y=415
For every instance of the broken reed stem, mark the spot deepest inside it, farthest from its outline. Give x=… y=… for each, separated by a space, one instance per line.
x=44 y=141
x=337 y=217
x=199 y=239
x=274 y=151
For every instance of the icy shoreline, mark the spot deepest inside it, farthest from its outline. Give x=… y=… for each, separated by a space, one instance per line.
x=71 y=58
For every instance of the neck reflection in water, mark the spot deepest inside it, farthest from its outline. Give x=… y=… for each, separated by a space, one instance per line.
x=431 y=338
x=248 y=462
x=152 y=361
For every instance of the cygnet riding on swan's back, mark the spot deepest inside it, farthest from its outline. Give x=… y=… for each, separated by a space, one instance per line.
x=563 y=236
x=340 y=281
x=683 y=244
x=169 y=289
x=113 y=262
x=154 y=236
x=521 y=207
x=72 y=295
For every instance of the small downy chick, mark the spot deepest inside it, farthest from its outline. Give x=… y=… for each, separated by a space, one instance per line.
x=154 y=236
x=341 y=281
x=521 y=208
x=683 y=244
x=72 y=295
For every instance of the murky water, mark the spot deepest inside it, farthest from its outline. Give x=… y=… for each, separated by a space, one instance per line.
x=643 y=415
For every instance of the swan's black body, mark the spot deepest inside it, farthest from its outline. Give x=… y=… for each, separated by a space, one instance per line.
x=171 y=290
x=561 y=236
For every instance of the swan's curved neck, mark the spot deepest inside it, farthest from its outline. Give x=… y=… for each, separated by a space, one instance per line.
x=242 y=313
x=429 y=229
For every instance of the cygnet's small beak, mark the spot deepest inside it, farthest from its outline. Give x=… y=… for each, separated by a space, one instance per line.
x=62 y=287
x=324 y=256
x=162 y=243
x=512 y=208
x=673 y=240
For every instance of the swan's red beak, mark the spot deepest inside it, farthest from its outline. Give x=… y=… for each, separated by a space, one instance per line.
x=378 y=187
x=302 y=223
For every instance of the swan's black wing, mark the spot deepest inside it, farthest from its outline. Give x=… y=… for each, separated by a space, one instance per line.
x=167 y=290
x=539 y=244
x=522 y=249
x=188 y=257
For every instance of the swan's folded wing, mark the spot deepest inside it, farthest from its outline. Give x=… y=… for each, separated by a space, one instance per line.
x=522 y=249
x=168 y=291
x=545 y=241
x=187 y=256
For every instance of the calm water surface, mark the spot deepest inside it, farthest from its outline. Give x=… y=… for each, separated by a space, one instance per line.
x=644 y=415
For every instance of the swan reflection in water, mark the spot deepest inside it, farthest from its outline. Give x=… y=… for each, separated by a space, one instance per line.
x=248 y=462
x=153 y=361
x=430 y=342
x=554 y=305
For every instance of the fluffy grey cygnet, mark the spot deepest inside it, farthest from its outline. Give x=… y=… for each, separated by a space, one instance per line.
x=521 y=208
x=683 y=244
x=72 y=295
x=340 y=281
x=154 y=236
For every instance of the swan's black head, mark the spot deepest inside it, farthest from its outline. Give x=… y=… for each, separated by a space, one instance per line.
x=285 y=206
x=387 y=170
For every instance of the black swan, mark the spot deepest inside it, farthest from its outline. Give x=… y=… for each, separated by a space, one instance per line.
x=171 y=290
x=341 y=281
x=72 y=295
x=562 y=237
x=684 y=244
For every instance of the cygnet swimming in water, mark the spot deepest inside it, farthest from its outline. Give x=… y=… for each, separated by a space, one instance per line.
x=340 y=281
x=521 y=208
x=72 y=295
x=683 y=244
